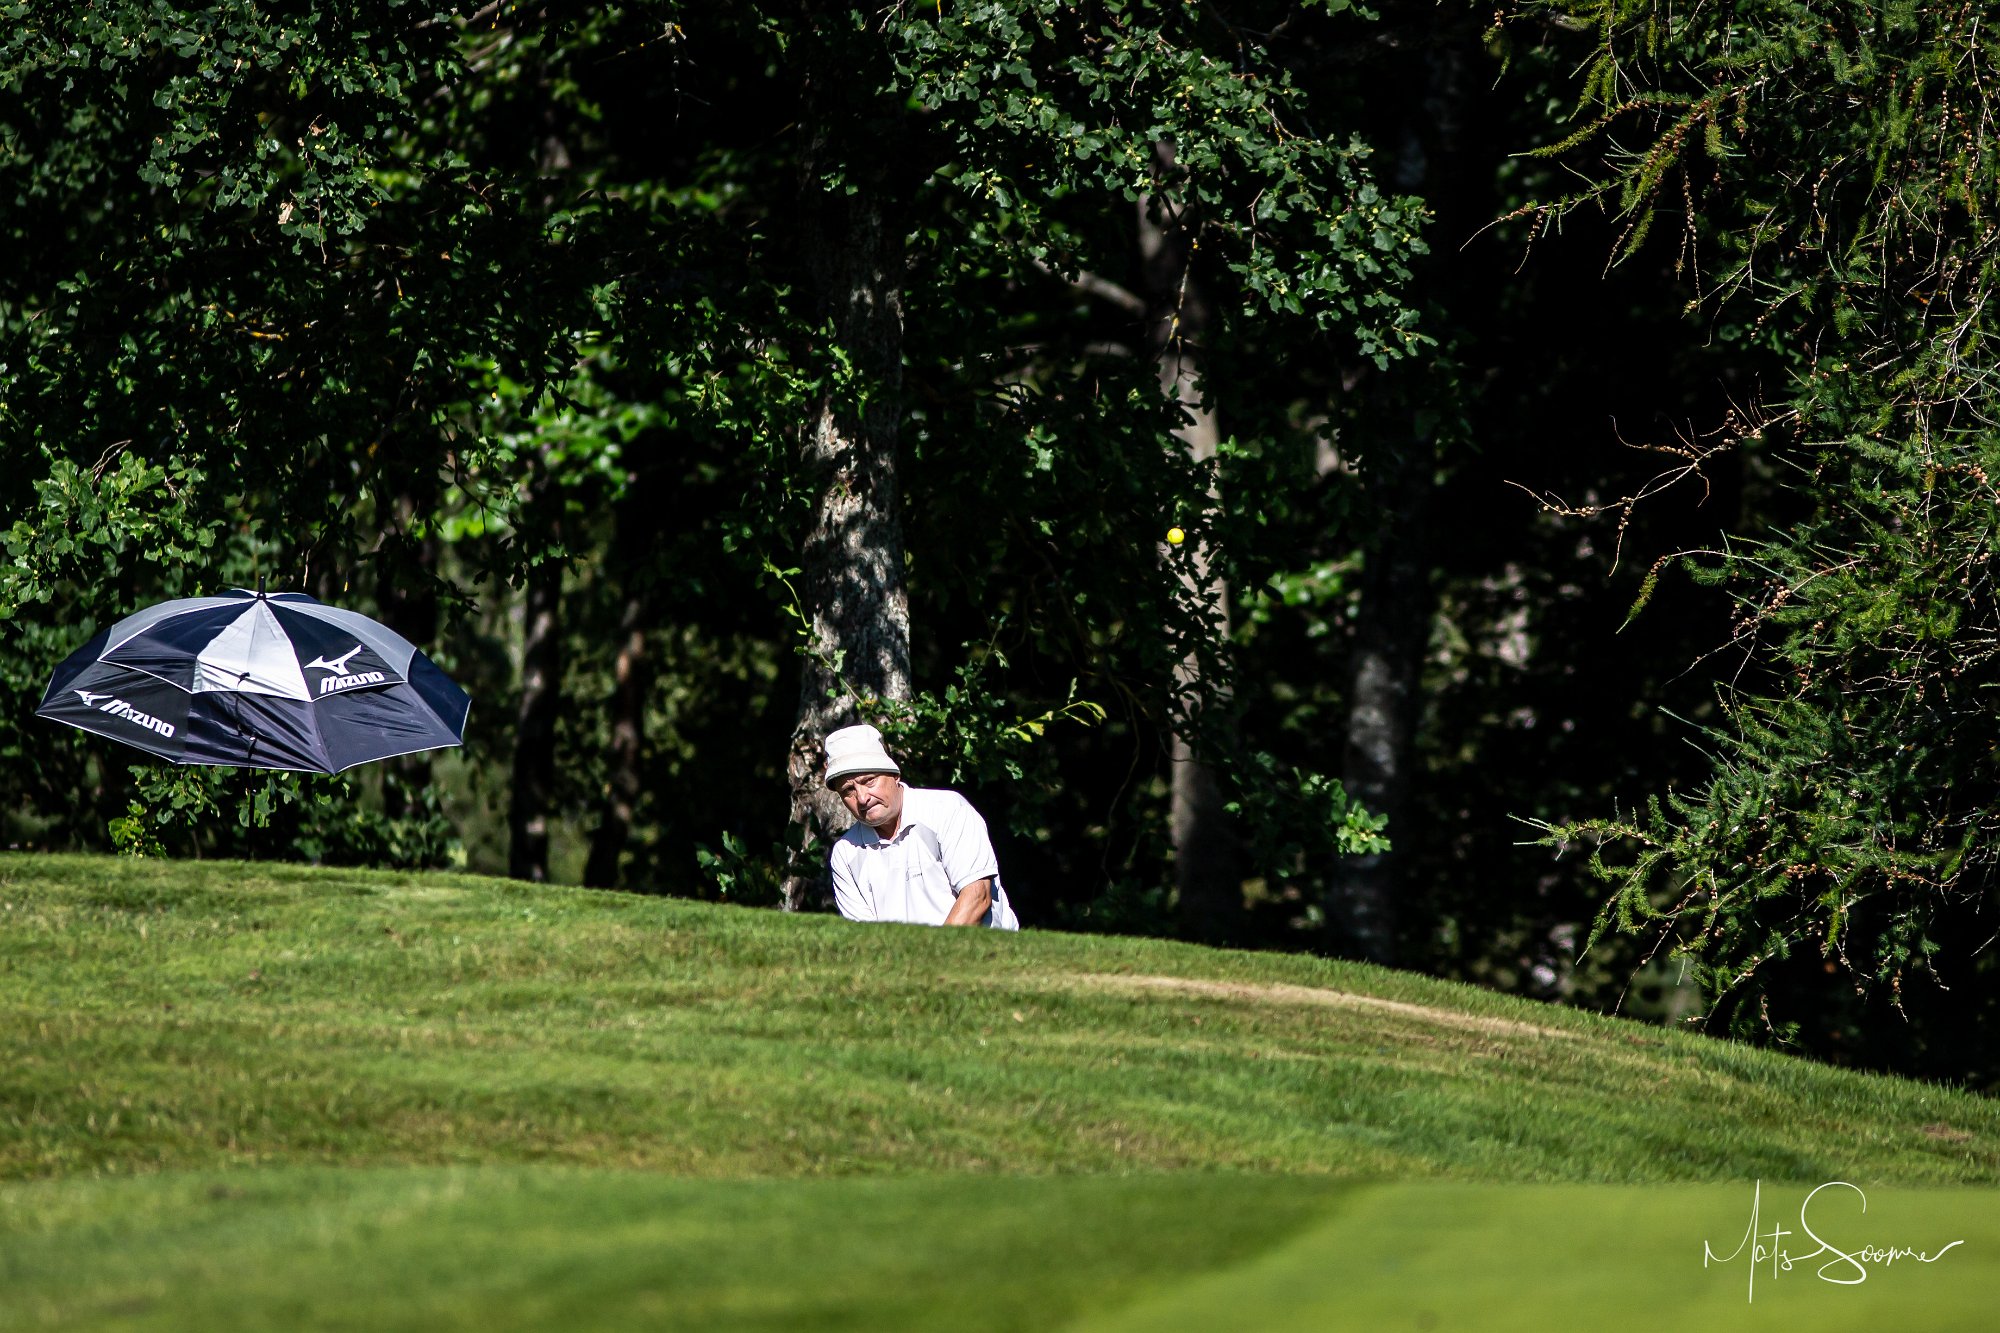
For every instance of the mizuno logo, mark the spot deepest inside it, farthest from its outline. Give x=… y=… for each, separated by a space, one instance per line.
x=330 y=684
x=119 y=708
x=338 y=666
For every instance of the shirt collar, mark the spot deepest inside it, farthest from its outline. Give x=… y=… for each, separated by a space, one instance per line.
x=869 y=837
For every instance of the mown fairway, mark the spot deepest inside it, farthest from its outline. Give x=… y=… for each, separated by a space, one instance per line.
x=561 y=1098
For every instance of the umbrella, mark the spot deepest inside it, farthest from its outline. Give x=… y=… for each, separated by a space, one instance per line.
x=258 y=680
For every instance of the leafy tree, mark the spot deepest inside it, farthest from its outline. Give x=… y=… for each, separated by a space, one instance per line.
x=999 y=137
x=250 y=284
x=312 y=293
x=1834 y=876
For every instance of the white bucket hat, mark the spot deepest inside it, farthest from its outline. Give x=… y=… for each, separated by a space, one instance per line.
x=857 y=750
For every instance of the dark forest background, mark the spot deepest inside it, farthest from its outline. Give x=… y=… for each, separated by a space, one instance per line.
x=519 y=327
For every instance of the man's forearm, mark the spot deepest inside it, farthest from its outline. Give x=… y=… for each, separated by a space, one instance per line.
x=974 y=901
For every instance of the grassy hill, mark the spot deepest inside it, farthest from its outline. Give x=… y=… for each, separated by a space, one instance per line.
x=228 y=1091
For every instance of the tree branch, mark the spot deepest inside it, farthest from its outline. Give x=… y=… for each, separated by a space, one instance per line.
x=1090 y=284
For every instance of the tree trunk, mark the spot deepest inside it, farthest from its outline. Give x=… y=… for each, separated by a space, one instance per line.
x=1391 y=635
x=851 y=582
x=1207 y=873
x=535 y=731
x=632 y=567
x=631 y=679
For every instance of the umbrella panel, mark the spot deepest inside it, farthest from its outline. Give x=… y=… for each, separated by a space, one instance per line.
x=254 y=731
x=125 y=705
x=359 y=726
x=170 y=647
x=333 y=657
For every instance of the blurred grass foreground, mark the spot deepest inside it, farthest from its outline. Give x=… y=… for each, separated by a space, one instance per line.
x=261 y=1097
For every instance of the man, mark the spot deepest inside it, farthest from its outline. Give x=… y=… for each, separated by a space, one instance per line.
x=915 y=853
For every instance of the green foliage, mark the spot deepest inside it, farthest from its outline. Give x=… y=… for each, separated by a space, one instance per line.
x=1040 y=98
x=1295 y=802
x=965 y=735
x=84 y=520
x=180 y=811
x=1036 y=468
x=239 y=279
x=165 y=796
x=740 y=876
x=258 y=255
x=374 y=299
x=1846 y=841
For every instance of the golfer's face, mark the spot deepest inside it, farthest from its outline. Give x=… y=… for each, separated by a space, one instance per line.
x=872 y=798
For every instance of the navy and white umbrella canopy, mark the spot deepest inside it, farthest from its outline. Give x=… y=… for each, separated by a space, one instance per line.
x=258 y=681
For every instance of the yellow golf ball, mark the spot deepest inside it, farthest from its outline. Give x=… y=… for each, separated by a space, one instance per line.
x=1175 y=536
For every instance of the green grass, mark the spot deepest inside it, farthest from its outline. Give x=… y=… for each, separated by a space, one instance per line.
x=437 y=1250
x=171 y=1016
x=517 y=1107
x=1531 y=1258
x=496 y=1248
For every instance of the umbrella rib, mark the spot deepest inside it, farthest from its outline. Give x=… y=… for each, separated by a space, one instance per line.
x=201 y=604
x=398 y=754
x=141 y=671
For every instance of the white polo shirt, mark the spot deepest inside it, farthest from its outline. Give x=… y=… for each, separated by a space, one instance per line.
x=940 y=847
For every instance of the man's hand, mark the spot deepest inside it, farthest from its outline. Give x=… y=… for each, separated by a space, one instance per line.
x=975 y=900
